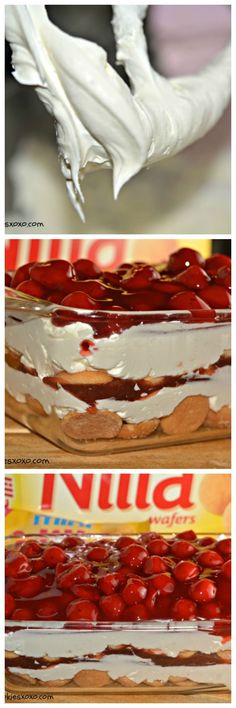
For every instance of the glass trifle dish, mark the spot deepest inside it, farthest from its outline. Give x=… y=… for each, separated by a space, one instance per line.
x=100 y=360
x=104 y=613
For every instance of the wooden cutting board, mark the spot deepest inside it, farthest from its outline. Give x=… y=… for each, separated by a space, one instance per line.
x=27 y=450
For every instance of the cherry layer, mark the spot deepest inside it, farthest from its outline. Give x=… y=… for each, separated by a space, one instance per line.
x=185 y=282
x=125 y=579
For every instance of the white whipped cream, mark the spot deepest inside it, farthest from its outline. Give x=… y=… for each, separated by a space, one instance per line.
x=138 y=670
x=101 y=122
x=40 y=643
x=162 y=349
x=160 y=404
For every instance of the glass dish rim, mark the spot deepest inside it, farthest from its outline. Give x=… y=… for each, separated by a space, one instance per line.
x=37 y=305
x=108 y=626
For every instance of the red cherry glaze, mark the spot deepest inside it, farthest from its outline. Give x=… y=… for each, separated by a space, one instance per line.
x=182 y=549
x=9 y=605
x=158 y=547
x=17 y=564
x=124 y=582
x=210 y=559
x=224 y=546
x=54 y=555
x=223 y=277
x=134 y=591
x=56 y=296
x=51 y=274
x=134 y=556
x=84 y=269
x=155 y=564
x=82 y=610
x=218 y=260
x=22 y=273
x=98 y=553
x=203 y=590
x=194 y=278
x=216 y=296
x=112 y=606
x=34 y=289
x=184 y=609
x=186 y=571
x=183 y=258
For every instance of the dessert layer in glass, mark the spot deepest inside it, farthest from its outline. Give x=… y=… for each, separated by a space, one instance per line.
x=114 y=372
x=112 y=613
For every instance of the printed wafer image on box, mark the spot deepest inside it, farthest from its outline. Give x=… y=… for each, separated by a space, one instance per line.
x=118 y=585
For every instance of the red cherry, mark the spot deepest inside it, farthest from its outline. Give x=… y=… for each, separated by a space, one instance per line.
x=141 y=279
x=185 y=571
x=8 y=279
x=187 y=535
x=226 y=569
x=134 y=591
x=112 y=606
x=184 y=609
x=155 y=564
x=108 y=583
x=53 y=555
x=124 y=541
x=22 y=613
x=84 y=268
x=166 y=286
x=135 y=613
x=71 y=541
x=9 y=605
x=216 y=296
x=194 y=278
x=210 y=610
x=203 y=590
x=210 y=559
x=22 y=273
x=223 y=277
x=183 y=258
x=56 y=296
x=29 y=587
x=187 y=301
x=79 y=300
x=86 y=592
x=133 y=556
x=111 y=278
x=17 y=564
x=38 y=564
x=163 y=583
x=224 y=546
x=47 y=610
x=34 y=289
x=206 y=541
x=31 y=549
x=82 y=610
x=98 y=553
x=158 y=547
x=218 y=260
x=148 y=536
x=79 y=573
x=93 y=288
x=52 y=273
x=183 y=549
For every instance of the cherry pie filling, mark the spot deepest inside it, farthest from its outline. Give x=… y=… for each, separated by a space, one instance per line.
x=92 y=584
x=132 y=298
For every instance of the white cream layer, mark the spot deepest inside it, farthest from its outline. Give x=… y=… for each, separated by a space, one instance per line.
x=159 y=404
x=136 y=669
x=71 y=643
x=161 y=349
x=100 y=120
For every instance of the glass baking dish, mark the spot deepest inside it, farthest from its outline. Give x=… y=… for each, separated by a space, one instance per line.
x=115 y=381
x=159 y=656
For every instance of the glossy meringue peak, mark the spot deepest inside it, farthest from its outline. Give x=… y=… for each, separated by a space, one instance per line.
x=101 y=122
